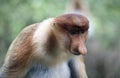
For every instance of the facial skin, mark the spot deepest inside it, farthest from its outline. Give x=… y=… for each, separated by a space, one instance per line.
x=76 y=27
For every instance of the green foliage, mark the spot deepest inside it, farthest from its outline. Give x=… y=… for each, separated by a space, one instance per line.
x=107 y=12
x=16 y=14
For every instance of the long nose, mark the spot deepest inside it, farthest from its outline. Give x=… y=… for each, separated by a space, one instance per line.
x=82 y=48
x=79 y=49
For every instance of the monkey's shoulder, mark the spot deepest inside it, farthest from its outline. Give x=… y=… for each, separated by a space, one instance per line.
x=21 y=47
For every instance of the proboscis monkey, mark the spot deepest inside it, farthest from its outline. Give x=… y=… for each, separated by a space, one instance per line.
x=50 y=49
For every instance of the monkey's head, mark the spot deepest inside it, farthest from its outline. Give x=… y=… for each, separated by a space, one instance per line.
x=74 y=30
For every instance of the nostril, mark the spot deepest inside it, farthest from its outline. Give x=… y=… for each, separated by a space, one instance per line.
x=76 y=52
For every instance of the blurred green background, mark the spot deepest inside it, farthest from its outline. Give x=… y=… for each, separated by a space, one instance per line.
x=103 y=58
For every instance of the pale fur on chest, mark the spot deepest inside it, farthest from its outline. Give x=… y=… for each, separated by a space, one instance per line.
x=42 y=71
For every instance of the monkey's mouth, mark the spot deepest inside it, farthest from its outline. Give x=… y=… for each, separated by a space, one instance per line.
x=75 y=52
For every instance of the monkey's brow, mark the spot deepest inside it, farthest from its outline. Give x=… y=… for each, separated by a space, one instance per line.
x=81 y=29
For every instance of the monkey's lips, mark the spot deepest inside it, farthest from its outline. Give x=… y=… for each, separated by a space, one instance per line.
x=75 y=53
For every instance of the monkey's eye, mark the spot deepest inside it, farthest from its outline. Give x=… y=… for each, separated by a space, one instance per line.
x=74 y=32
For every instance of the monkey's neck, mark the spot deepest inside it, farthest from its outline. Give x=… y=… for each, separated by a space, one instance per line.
x=43 y=36
x=46 y=44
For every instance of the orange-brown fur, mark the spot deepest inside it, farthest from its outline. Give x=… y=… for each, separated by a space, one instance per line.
x=19 y=52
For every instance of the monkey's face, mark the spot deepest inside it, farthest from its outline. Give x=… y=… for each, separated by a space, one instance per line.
x=76 y=27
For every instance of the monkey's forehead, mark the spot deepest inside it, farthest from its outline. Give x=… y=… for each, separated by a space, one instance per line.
x=72 y=20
